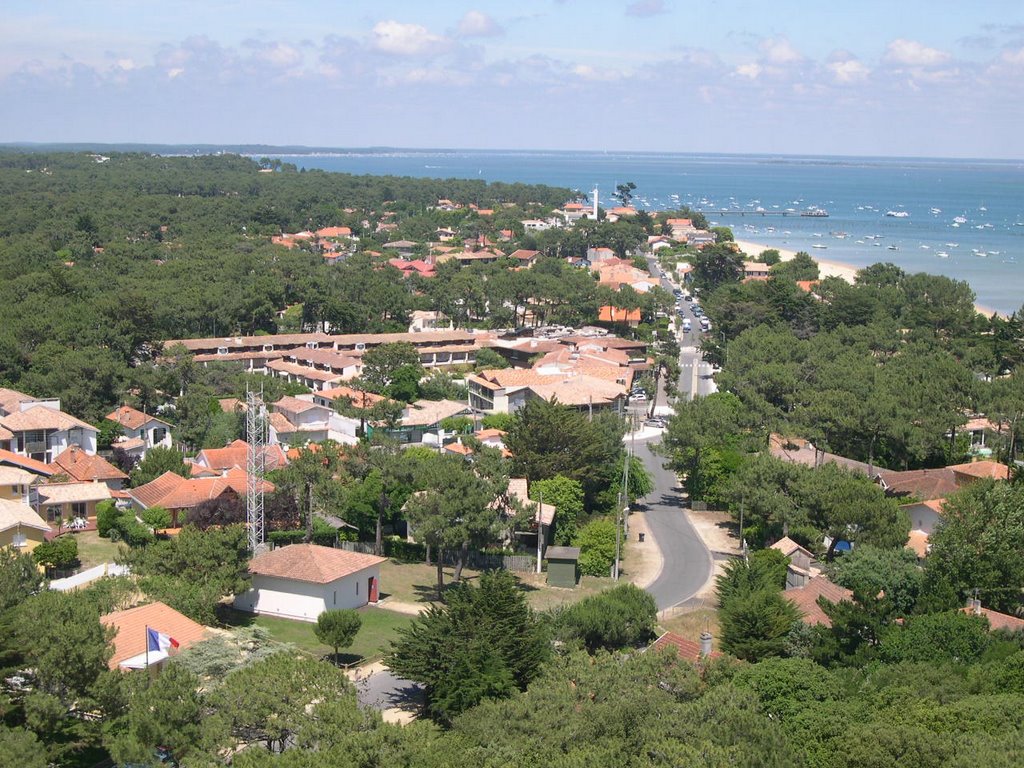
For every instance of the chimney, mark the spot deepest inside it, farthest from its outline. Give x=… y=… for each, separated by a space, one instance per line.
x=705 y=644
x=974 y=606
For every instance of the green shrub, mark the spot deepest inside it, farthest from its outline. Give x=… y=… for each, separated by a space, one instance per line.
x=597 y=547
x=622 y=617
x=106 y=517
x=61 y=553
x=156 y=518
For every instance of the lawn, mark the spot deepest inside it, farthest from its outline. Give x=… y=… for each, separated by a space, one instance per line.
x=379 y=627
x=417 y=583
x=92 y=550
x=692 y=623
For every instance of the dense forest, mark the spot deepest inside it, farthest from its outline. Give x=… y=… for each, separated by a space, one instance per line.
x=103 y=258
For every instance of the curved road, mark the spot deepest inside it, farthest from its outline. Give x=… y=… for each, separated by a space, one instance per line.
x=687 y=563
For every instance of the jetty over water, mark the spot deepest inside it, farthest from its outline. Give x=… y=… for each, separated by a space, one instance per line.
x=815 y=214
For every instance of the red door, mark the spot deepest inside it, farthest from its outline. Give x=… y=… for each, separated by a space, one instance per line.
x=372 y=589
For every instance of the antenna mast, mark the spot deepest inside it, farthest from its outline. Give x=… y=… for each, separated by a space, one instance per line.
x=256 y=427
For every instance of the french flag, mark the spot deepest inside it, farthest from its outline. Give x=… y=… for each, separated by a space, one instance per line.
x=158 y=641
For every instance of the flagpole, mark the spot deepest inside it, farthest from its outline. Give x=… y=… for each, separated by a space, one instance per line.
x=147 y=648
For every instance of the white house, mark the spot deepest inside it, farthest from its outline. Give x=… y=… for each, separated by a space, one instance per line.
x=140 y=431
x=39 y=429
x=299 y=420
x=301 y=581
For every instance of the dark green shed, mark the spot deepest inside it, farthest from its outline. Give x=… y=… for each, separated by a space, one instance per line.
x=563 y=566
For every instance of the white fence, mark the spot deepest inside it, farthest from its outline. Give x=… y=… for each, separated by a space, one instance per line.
x=90 y=575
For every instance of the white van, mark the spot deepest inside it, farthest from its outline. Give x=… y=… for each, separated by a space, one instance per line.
x=687 y=325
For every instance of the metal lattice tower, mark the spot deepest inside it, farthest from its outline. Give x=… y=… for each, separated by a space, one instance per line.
x=255 y=465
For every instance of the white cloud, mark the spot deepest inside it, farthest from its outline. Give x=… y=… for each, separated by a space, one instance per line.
x=587 y=72
x=407 y=39
x=280 y=55
x=478 y=24
x=911 y=53
x=848 y=70
x=752 y=70
x=780 y=51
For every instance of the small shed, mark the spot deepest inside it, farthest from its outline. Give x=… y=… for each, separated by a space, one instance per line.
x=563 y=566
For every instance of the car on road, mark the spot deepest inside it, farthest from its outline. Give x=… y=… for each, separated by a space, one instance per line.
x=639 y=397
x=687 y=325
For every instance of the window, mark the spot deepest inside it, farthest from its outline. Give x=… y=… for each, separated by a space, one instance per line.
x=159 y=433
x=335 y=597
x=19 y=540
x=78 y=509
x=357 y=587
x=312 y=344
x=268 y=347
x=360 y=346
x=222 y=350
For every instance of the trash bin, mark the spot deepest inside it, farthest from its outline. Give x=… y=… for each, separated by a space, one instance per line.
x=641 y=536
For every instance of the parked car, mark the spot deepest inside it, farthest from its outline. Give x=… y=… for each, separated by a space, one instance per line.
x=639 y=397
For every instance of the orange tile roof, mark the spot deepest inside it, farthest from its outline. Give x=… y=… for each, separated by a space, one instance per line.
x=235 y=455
x=311 y=563
x=32 y=465
x=982 y=469
x=997 y=620
x=611 y=314
x=917 y=541
x=131 y=418
x=334 y=232
x=687 y=650
x=79 y=465
x=131 y=625
x=172 y=491
x=10 y=398
x=806 y=597
x=359 y=399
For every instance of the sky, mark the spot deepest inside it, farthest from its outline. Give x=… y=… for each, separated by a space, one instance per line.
x=923 y=78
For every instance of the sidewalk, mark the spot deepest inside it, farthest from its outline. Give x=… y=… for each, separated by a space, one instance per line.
x=642 y=561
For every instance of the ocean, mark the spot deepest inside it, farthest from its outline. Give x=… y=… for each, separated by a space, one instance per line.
x=964 y=218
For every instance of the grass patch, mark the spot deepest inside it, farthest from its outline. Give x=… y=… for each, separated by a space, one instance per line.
x=379 y=628
x=417 y=583
x=692 y=623
x=92 y=550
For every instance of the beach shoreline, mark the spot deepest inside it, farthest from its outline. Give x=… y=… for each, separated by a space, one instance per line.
x=830 y=268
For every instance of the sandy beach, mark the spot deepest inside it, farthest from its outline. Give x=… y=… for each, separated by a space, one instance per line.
x=829 y=268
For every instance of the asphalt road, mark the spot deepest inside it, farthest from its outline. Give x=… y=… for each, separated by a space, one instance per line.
x=687 y=563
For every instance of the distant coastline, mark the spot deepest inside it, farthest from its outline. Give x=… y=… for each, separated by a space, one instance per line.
x=832 y=268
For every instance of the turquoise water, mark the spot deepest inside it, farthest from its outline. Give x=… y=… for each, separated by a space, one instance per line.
x=986 y=249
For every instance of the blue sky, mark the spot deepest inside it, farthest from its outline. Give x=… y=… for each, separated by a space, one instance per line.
x=903 y=77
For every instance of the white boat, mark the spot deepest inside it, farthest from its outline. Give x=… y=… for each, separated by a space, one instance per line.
x=898 y=214
x=819 y=246
x=959 y=219
x=925 y=247
x=942 y=255
x=936 y=210
x=952 y=245
x=892 y=247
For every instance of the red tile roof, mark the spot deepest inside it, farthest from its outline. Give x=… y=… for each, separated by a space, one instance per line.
x=806 y=599
x=686 y=650
x=172 y=491
x=311 y=563
x=32 y=465
x=982 y=469
x=235 y=455
x=611 y=314
x=131 y=625
x=997 y=620
x=131 y=418
x=79 y=465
